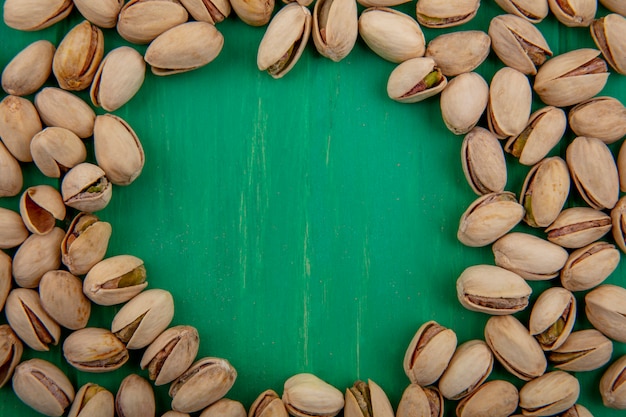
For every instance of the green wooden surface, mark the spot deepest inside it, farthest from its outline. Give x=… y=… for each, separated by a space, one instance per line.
x=306 y=224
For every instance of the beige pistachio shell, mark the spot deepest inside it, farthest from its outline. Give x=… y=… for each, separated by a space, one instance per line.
x=225 y=407
x=483 y=162
x=381 y=3
x=141 y=21
x=30 y=15
x=40 y=207
x=335 y=28
x=532 y=10
x=574 y=13
x=510 y=98
x=117 y=80
x=429 y=353
x=208 y=11
x=600 y=117
x=11 y=349
x=55 y=150
x=529 y=256
x=12 y=229
x=171 y=354
x=253 y=12
x=589 y=266
x=549 y=394
x=605 y=307
x=115 y=280
x=469 y=367
x=36 y=256
x=420 y=401
x=268 y=404
x=135 y=398
x=545 y=191
x=174 y=414
x=94 y=350
x=608 y=34
x=393 y=35
x=463 y=102
x=11 y=179
x=576 y=410
x=85 y=243
x=415 y=80
x=94 y=401
x=612 y=388
x=459 y=52
x=19 y=122
x=584 y=350
x=617 y=6
x=29 y=69
x=362 y=397
x=621 y=167
x=5 y=279
x=102 y=13
x=29 y=320
x=63 y=109
x=62 y=297
x=495 y=398
x=443 y=13
x=576 y=227
x=552 y=317
x=86 y=188
x=618 y=218
x=307 y=395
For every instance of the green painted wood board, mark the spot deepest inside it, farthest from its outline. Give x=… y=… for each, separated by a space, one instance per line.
x=306 y=224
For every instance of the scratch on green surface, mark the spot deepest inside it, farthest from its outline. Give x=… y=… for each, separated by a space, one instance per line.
x=362 y=304
x=306 y=295
x=328 y=149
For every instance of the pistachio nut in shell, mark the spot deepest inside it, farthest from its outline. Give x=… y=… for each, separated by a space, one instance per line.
x=253 y=12
x=5 y=278
x=571 y=78
x=184 y=48
x=172 y=413
x=30 y=15
x=11 y=349
x=85 y=243
x=421 y=401
x=19 y=122
x=589 y=266
x=605 y=307
x=617 y=6
x=576 y=410
x=29 y=320
x=86 y=188
x=510 y=98
x=463 y=102
x=612 y=387
x=469 y=367
x=135 y=398
x=483 y=162
x=115 y=280
x=335 y=28
x=11 y=179
x=392 y=35
x=621 y=167
x=36 y=256
x=429 y=353
x=549 y=394
x=118 y=78
x=593 y=171
x=43 y=387
x=78 y=56
x=62 y=108
x=40 y=207
x=532 y=10
x=599 y=117
x=55 y=150
x=94 y=350
x=459 y=52
x=552 y=317
x=618 y=218
x=415 y=80
x=307 y=395
x=545 y=191
x=171 y=354
x=576 y=227
x=443 y=14
x=381 y=3
x=608 y=34
x=29 y=69
x=367 y=399
x=574 y=13
x=268 y=404
x=226 y=407
x=12 y=229
x=101 y=13
x=584 y=350
x=495 y=398
x=205 y=382
x=62 y=297
x=529 y=256
x=209 y=11
x=141 y=21
x=94 y=401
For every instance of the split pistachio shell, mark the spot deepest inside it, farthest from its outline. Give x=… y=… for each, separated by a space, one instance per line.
x=171 y=354
x=576 y=227
x=510 y=98
x=443 y=14
x=608 y=34
x=55 y=150
x=483 y=162
x=549 y=394
x=5 y=281
x=545 y=191
x=470 y=366
x=617 y=6
x=141 y=21
x=19 y=122
x=29 y=320
x=463 y=102
x=367 y=400
x=459 y=52
x=574 y=13
x=600 y=117
x=30 y=15
x=11 y=179
x=62 y=297
x=618 y=217
x=268 y=404
x=205 y=382
x=514 y=347
x=43 y=387
x=36 y=256
x=495 y=398
x=92 y=401
x=12 y=229
x=94 y=350
x=606 y=310
x=102 y=13
x=415 y=80
x=253 y=12
x=11 y=350
x=335 y=28
x=429 y=353
x=552 y=317
x=85 y=243
x=212 y=12
x=584 y=350
x=571 y=78
x=40 y=207
x=61 y=108
x=518 y=43
x=115 y=280
x=29 y=69
x=226 y=408
x=612 y=387
x=420 y=401
x=285 y=40
x=184 y=48
x=532 y=10
x=135 y=398
x=117 y=80
x=306 y=395
x=589 y=266
x=529 y=256
x=391 y=34
x=86 y=188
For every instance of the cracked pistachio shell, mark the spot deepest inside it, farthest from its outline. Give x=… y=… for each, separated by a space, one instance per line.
x=118 y=78
x=621 y=167
x=571 y=78
x=29 y=320
x=492 y=290
x=94 y=350
x=102 y=13
x=470 y=366
x=62 y=297
x=545 y=191
x=488 y=218
x=483 y=162
x=589 y=266
x=518 y=43
x=612 y=387
x=62 y=108
x=392 y=35
x=92 y=400
x=617 y=6
x=171 y=354
x=11 y=350
x=284 y=40
x=208 y=11
x=43 y=387
x=78 y=56
x=184 y=48
x=225 y=408
x=429 y=353
x=30 y=15
x=459 y=52
x=115 y=280
x=576 y=227
x=40 y=207
x=86 y=188
x=85 y=243
x=463 y=102
x=514 y=347
x=495 y=398
x=444 y=14
x=11 y=180
x=605 y=307
x=609 y=34
x=584 y=350
x=253 y=12
x=600 y=117
x=268 y=404
x=549 y=394
x=36 y=256
x=415 y=80
x=19 y=122
x=532 y=10
x=594 y=172
x=205 y=382
x=618 y=217
x=552 y=317
x=55 y=150
x=118 y=150
x=141 y=21
x=135 y=398
x=510 y=98
x=420 y=401
x=12 y=229
x=335 y=28
x=5 y=280
x=529 y=256
x=574 y=13
x=29 y=69
x=363 y=397
x=306 y=395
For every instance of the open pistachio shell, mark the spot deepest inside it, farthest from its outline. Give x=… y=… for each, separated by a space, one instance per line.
x=529 y=256
x=33 y=15
x=470 y=366
x=483 y=162
x=429 y=353
x=532 y=10
x=335 y=27
x=618 y=218
x=115 y=280
x=415 y=80
x=605 y=307
x=118 y=78
x=574 y=13
x=612 y=387
x=459 y=52
x=552 y=317
x=94 y=350
x=584 y=350
x=608 y=34
x=443 y=13
x=306 y=395
x=545 y=191
x=94 y=401
x=549 y=394
x=29 y=69
x=55 y=150
x=268 y=404
x=599 y=117
x=11 y=349
x=171 y=354
x=62 y=297
x=420 y=401
x=141 y=21
x=210 y=11
x=495 y=398
x=86 y=188
x=589 y=266
x=367 y=400
x=29 y=320
x=41 y=206
x=576 y=227
x=85 y=243
x=463 y=102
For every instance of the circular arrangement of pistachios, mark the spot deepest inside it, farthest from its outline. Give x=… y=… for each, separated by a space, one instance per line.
x=49 y=260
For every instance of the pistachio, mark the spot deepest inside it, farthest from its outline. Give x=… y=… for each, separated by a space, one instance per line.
x=94 y=350
x=463 y=102
x=545 y=191
x=12 y=229
x=576 y=410
x=11 y=350
x=621 y=166
x=495 y=398
x=367 y=399
x=253 y=12
x=30 y=322
x=208 y=11
x=55 y=150
x=608 y=34
x=612 y=386
x=443 y=14
x=29 y=69
x=529 y=256
x=115 y=280
x=552 y=317
x=5 y=281
x=135 y=398
x=459 y=52
x=584 y=350
x=43 y=387
x=61 y=108
x=510 y=98
x=576 y=227
x=469 y=367
x=268 y=404
x=174 y=414
x=226 y=408
x=86 y=187
x=141 y=21
x=616 y=6
x=429 y=353
x=574 y=13
x=205 y=382
x=420 y=401
x=36 y=256
x=589 y=266
x=19 y=122
x=306 y=395
x=605 y=307
x=618 y=217
x=415 y=80
x=32 y=15
x=62 y=297
x=335 y=28
x=483 y=162
x=11 y=180
x=599 y=117
x=85 y=243
x=171 y=354
x=549 y=394
x=101 y=13
x=40 y=207
x=94 y=401
x=532 y=10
